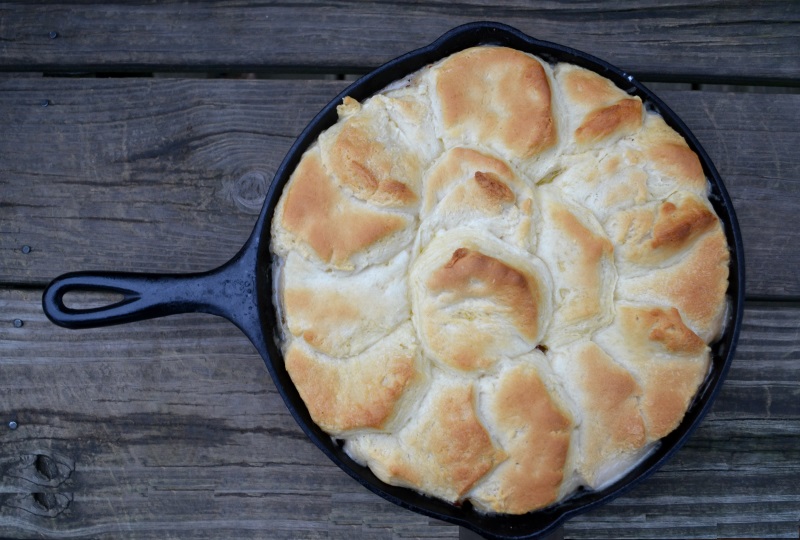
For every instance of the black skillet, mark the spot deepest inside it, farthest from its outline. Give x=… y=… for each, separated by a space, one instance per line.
x=241 y=291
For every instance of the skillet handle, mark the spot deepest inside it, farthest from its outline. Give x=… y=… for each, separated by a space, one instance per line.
x=228 y=291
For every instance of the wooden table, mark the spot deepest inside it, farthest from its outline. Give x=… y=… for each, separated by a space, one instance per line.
x=141 y=137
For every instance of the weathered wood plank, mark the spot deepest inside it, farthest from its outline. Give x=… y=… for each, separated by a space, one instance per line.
x=172 y=428
x=168 y=175
x=176 y=168
x=649 y=38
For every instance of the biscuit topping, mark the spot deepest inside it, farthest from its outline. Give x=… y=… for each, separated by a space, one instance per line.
x=499 y=280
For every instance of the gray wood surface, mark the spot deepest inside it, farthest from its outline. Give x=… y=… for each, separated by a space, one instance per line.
x=674 y=39
x=172 y=428
x=168 y=175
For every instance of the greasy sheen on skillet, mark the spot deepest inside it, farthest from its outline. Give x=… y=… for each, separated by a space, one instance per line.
x=498 y=280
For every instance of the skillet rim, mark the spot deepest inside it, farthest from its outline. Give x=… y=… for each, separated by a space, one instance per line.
x=494 y=526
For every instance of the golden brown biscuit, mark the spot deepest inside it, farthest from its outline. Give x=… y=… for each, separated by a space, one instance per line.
x=673 y=165
x=534 y=428
x=496 y=97
x=603 y=182
x=368 y=153
x=653 y=235
x=317 y=219
x=343 y=313
x=443 y=450
x=666 y=357
x=466 y=186
x=476 y=301
x=612 y=430
x=696 y=285
x=367 y=392
x=595 y=109
x=461 y=164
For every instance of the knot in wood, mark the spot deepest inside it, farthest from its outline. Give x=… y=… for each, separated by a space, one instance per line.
x=45 y=468
x=45 y=503
x=249 y=192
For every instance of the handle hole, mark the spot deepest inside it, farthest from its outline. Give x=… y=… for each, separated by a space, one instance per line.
x=83 y=300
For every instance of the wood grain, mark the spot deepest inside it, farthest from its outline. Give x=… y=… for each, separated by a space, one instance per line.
x=172 y=428
x=651 y=39
x=169 y=175
x=131 y=174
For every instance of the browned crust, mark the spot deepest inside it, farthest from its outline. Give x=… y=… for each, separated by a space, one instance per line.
x=347 y=107
x=661 y=326
x=672 y=385
x=471 y=274
x=678 y=225
x=335 y=227
x=493 y=188
x=516 y=86
x=587 y=88
x=450 y=447
x=343 y=395
x=695 y=285
x=651 y=235
x=532 y=477
x=623 y=116
x=490 y=175
x=592 y=246
x=366 y=166
x=699 y=288
x=678 y=160
x=667 y=357
x=667 y=152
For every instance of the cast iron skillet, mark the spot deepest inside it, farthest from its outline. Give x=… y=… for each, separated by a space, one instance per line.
x=241 y=291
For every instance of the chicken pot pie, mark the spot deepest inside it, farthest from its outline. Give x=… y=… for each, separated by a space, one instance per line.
x=499 y=280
